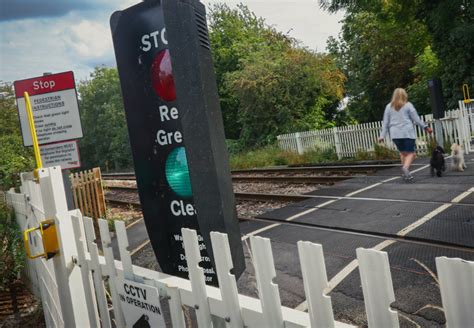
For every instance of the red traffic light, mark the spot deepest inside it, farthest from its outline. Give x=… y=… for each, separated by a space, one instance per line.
x=162 y=76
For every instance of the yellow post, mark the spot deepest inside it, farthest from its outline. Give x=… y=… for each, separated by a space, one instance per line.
x=31 y=120
x=465 y=91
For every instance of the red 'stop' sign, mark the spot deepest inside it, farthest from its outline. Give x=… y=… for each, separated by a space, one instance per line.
x=45 y=84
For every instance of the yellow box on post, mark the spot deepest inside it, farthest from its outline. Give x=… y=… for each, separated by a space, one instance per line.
x=49 y=239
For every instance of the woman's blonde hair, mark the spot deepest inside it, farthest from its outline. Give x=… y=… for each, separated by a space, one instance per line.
x=399 y=98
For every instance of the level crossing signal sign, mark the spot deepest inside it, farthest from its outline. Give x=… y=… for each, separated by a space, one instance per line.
x=176 y=131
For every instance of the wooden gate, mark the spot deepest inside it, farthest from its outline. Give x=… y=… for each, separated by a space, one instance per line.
x=88 y=193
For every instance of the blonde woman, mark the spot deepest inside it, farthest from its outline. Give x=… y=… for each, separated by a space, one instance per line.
x=398 y=120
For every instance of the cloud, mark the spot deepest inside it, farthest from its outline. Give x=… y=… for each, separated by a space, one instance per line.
x=90 y=42
x=21 y=9
x=89 y=38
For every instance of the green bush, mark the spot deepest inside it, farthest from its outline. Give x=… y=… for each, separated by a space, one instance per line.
x=364 y=155
x=14 y=159
x=380 y=152
x=233 y=146
x=12 y=254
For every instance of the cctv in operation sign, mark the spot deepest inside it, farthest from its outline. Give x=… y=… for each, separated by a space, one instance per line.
x=55 y=108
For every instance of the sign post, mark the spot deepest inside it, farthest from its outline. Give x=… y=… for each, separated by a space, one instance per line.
x=55 y=113
x=176 y=130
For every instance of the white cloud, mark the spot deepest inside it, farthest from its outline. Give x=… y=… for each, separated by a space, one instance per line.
x=90 y=39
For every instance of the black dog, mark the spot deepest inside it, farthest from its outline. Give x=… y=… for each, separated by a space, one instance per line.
x=437 y=161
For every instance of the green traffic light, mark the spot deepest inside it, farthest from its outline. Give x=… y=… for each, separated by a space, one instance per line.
x=177 y=173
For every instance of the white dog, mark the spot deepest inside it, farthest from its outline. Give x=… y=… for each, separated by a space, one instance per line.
x=457 y=153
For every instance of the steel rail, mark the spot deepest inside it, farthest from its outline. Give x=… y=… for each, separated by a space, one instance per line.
x=291 y=179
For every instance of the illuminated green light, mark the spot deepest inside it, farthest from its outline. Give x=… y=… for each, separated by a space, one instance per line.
x=177 y=173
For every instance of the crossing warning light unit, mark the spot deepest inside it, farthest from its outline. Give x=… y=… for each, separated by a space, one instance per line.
x=438 y=104
x=176 y=130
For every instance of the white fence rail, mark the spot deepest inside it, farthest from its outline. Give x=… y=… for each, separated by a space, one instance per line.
x=74 y=285
x=457 y=126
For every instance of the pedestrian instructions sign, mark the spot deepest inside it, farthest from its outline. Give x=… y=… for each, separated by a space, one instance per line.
x=140 y=304
x=55 y=109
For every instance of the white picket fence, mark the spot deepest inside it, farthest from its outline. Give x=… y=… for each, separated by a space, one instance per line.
x=74 y=285
x=347 y=141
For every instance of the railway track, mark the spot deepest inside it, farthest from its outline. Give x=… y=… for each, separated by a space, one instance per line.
x=326 y=169
x=238 y=195
x=284 y=179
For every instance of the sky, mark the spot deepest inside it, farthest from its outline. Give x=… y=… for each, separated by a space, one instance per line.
x=38 y=36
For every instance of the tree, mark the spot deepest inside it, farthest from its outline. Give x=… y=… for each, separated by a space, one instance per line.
x=426 y=67
x=281 y=92
x=450 y=24
x=267 y=83
x=377 y=51
x=14 y=157
x=236 y=34
x=105 y=141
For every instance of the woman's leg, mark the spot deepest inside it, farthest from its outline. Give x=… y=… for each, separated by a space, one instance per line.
x=402 y=157
x=409 y=158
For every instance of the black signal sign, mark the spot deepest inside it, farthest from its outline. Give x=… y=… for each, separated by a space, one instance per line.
x=176 y=130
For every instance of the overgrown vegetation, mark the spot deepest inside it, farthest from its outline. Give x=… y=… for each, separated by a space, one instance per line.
x=380 y=152
x=105 y=141
x=12 y=256
x=273 y=155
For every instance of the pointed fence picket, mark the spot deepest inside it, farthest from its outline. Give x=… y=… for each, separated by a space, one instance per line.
x=348 y=141
x=74 y=286
x=315 y=282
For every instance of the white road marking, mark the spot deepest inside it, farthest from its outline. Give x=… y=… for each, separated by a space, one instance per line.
x=139 y=247
x=341 y=275
x=370 y=199
x=291 y=218
x=436 y=211
x=133 y=223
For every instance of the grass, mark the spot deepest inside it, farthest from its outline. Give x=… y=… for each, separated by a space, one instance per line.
x=272 y=155
x=111 y=218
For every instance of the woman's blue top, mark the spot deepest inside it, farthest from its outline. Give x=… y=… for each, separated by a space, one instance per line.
x=399 y=124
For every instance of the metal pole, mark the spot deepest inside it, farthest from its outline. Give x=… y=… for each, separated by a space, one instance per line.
x=34 y=138
x=439 y=133
x=68 y=189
